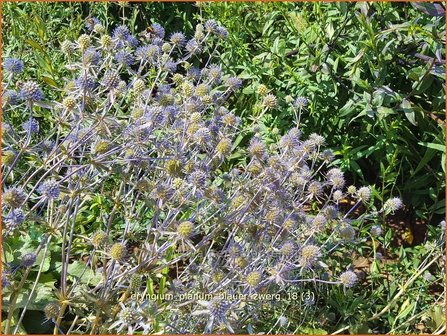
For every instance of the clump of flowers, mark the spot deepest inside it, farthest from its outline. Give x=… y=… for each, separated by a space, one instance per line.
x=136 y=171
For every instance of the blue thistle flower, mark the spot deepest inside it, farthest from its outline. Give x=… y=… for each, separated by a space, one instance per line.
x=158 y=30
x=193 y=73
x=28 y=260
x=111 y=79
x=221 y=32
x=92 y=56
x=85 y=82
x=11 y=97
x=193 y=47
x=15 y=217
x=211 y=25
x=31 y=126
x=50 y=189
x=121 y=33
x=132 y=41
x=300 y=102
x=233 y=83
x=91 y=22
x=31 y=92
x=125 y=58
x=170 y=66
x=177 y=39
x=13 y=65
x=148 y=52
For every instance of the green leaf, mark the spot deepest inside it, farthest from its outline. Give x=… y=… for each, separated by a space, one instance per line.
x=409 y=112
x=432 y=145
x=85 y=274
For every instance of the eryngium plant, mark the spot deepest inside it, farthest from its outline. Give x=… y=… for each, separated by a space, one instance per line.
x=176 y=243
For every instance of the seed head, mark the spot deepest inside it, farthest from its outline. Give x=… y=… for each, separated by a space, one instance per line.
x=28 y=259
x=69 y=102
x=262 y=90
x=99 y=239
x=118 y=251
x=348 y=279
x=52 y=310
x=30 y=91
x=185 y=229
x=14 y=197
x=84 y=42
x=253 y=279
x=270 y=101
x=8 y=157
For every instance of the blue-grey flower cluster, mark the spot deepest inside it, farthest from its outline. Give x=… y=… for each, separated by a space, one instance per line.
x=139 y=170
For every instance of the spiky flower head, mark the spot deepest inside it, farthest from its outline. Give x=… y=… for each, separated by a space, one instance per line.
x=50 y=189
x=257 y=148
x=262 y=90
x=178 y=39
x=99 y=239
x=253 y=278
x=8 y=157
x=223 y=148
x=118 y=251
x=15 y=217
x=270 y=101
x=13 y=65
x=10 y=97
x=193 y=47
x=30 y=91
x=309 y=254
x=84 y=42
x=392 y=205
x=52 y=310
x=364 y=193
x=348 y=279
x=233 y=83
x=68 y=47
x=14 y=197
x=347 y=232
x=300 y=102
x=376 y=230
x=69 y=103
x=28 y=260
x=135 y=282
x=185 y=229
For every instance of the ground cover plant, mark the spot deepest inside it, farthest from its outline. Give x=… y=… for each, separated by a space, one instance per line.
x=153 y=183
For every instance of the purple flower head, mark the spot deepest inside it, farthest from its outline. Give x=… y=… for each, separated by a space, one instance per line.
x=31 y=126
x=132 y=41
x=211 y=25
x=177 y=39
x=193 y=73
x=233 y=83
x=170 y=66
x=15 y=217
x=50 y=189
x=92 y=56
x=222 y=32
x=91 y=22
x=125 y=58
x=193 y=47
x=85 y=82
x=121 y=33
x=11 y=97
x=13 y=65
x=148 y=52
x=158 y=30
x=31 y=92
